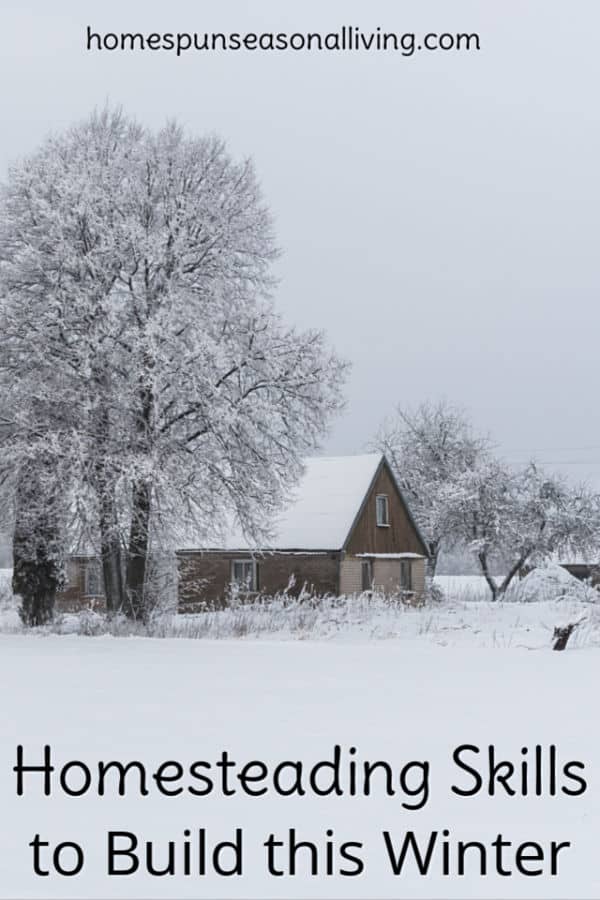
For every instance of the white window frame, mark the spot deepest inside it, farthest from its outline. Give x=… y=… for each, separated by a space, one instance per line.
x=96 y=581
x=382 y=521
x=250 y=587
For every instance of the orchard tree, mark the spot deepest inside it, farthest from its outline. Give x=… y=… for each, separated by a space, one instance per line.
x=478 y=506
x=521 y=517
x=139 y=265
x=429 y=448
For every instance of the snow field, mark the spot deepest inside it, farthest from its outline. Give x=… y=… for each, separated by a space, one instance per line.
x=284 y=680
x=156 y=700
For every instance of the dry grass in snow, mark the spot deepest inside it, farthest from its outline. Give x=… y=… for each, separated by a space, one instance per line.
x=464 y=616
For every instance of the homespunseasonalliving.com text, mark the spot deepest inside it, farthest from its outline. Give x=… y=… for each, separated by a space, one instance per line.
x=348 y=38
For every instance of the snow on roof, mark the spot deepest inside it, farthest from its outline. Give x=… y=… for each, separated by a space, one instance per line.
x=326 y=502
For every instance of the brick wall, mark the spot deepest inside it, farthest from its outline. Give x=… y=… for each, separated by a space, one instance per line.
x=204 y=578
x=418 y=576
x=350 y=575
x=386 y=576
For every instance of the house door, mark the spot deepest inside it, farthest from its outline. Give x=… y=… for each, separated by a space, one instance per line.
x=406 y=582
x=366 y=573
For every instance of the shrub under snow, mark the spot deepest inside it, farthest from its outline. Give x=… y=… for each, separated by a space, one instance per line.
x=553 y=582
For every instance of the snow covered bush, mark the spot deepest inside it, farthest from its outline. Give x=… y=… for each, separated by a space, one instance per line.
x=553 y=582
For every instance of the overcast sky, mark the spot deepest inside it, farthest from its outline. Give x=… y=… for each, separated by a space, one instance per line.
x=438 y=213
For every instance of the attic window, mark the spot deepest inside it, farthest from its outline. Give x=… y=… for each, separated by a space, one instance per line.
x=244 y=574
x=382 y=509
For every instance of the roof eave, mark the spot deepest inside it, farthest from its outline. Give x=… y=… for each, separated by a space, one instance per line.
x=264 y=550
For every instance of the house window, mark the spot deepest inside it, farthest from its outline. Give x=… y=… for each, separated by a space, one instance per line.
x=383 y=512
x=406 y=583
x=93 y=581
x=244 y=574
x=366 y=574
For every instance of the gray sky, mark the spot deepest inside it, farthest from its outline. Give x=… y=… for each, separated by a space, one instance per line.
x=438 y=214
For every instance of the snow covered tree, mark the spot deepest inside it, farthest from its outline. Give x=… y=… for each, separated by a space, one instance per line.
x=521 y=516
x=429 y=448
x=478 y=505
x=143 y=263
x=61 y=251
x=462 y=495
x=37 y=546
x=226 y=398
x=33 y=495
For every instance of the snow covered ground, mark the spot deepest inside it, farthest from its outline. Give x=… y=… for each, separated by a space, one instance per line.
x=154 y=700
x=398 y=684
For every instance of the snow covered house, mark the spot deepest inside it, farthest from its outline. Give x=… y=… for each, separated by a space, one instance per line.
x=347 y=529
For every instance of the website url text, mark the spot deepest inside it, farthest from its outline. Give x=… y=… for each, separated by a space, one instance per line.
x=347 y=38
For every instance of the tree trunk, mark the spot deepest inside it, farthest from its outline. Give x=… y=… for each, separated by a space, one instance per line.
x=104 y=486
x=37 y=568
x=561 y=636
x=139 y=533
x=486 y=573
x=562 y=633
x=138 y=550
x=110 y=547
x=516 y=568
x=434 y=554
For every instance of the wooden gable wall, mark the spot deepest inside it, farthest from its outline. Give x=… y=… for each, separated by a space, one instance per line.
x=400 y=537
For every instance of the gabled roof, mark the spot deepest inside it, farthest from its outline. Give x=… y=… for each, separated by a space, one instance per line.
x=326 y=505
